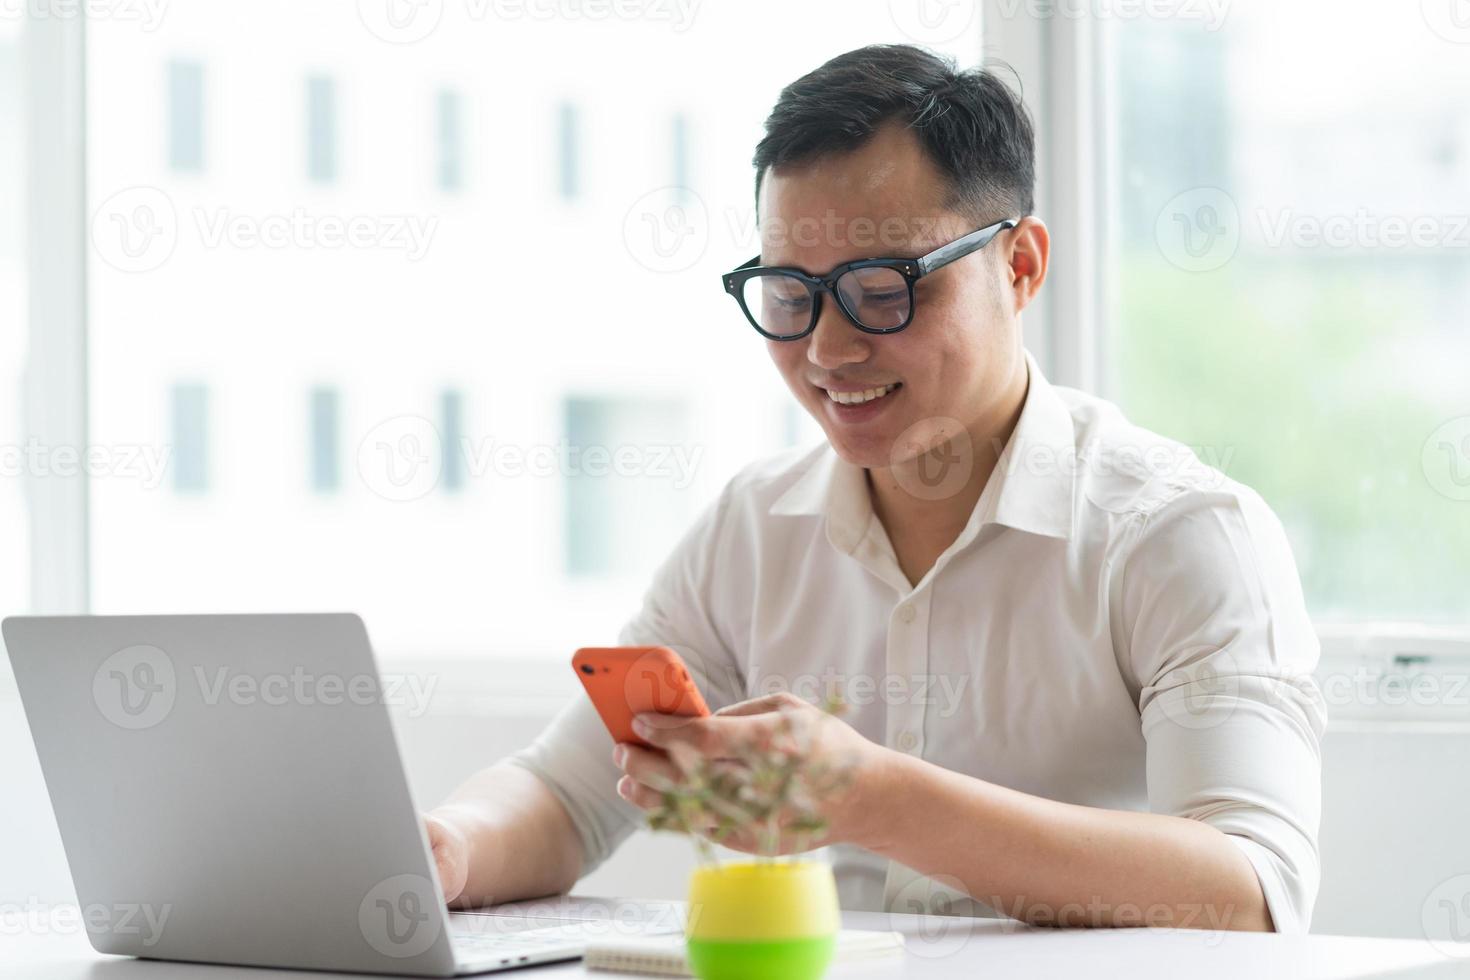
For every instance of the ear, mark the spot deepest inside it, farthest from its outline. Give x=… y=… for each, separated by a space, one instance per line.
x=1028 y=254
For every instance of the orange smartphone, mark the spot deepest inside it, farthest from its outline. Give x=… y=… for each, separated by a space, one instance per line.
x=626 y=681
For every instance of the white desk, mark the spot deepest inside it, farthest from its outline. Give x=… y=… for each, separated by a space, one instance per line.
x=936 y=947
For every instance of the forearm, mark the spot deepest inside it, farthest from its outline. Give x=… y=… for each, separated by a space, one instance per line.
x=521 y=841
x=1056 y=863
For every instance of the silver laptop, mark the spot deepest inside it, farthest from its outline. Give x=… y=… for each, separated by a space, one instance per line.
x=229 y=790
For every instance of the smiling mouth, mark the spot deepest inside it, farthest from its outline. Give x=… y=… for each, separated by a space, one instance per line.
x=864 y=396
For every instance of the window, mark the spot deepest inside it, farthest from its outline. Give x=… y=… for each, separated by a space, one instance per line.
x=326 y=476
x=1292 y=201
x=451 y=410
x=623 y=501
x=14 y=465
x=679 y=138
x=450 y=129
x=321 y=129
x=190 y=448
x=186 y=116
x=567 y=150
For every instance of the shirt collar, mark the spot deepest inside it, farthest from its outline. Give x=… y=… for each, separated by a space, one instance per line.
x=1030 y=490
x=1035 y=478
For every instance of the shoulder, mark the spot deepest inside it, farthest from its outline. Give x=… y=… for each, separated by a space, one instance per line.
x=1134 y=475
x=1164 y=499
x=742 y=512
x=766 y=480
x=1195 y=556
x=793 y=481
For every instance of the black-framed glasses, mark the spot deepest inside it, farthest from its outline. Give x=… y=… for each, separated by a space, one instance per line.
x=876 y=295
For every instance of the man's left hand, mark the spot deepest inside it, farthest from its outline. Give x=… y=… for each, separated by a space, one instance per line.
x=682 y=743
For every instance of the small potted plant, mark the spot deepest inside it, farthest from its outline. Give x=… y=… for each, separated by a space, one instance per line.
x=769 y=916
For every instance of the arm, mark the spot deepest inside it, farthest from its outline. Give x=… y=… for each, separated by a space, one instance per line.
x=1053 y=863
x=1212 y=631
x=1034 y=859
x=501 y=837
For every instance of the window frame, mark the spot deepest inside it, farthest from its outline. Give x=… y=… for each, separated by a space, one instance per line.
x=55 y=399
x=1057 y=59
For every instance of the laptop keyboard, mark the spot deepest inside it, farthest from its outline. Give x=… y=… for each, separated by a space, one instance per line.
x=525 y=940
x=543 y=943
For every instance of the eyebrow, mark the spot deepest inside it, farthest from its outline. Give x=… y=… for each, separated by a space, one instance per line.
x=755 y=263
x=918 y=266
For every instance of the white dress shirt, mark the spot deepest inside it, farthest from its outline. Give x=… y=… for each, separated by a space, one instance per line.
x=1117 y=626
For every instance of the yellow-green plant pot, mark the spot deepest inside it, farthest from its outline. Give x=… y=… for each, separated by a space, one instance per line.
x=752 y=921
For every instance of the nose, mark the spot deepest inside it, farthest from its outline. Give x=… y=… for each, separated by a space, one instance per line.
x=834 y=341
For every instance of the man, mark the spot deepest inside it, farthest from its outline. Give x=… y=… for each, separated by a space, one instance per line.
x=1077 y=661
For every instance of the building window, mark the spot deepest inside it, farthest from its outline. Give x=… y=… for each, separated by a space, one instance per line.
x=567 y=150
x=451 y=409
x=450 y=137
x=326 y=468
x=679 y=137
x=186 y=116
x=321 y=129
x=190 y=459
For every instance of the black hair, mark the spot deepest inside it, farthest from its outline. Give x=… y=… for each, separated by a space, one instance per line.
x=972 y=125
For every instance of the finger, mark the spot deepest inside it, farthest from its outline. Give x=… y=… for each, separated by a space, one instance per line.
x=713 y=738
x=641 y=796
x=453 y=874
x=451 y=879
x=709 y=738
x=761 y=705
x=663 y=731
x=648 y=766
x=650 y=724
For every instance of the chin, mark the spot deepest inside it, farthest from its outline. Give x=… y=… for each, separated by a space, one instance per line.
x=869 y=452
x=868 y=443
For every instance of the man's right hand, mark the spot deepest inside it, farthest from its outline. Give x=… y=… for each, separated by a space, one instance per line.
x=451 y=855
x=502 y=837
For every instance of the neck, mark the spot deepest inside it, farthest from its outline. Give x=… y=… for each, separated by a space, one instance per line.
x=925 y=502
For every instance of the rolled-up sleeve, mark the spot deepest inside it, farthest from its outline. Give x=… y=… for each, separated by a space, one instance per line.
x=573 y=755
x=1218 y=638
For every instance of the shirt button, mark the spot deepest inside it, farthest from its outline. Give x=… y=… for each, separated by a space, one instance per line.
x=907 y=741
x=906 y=613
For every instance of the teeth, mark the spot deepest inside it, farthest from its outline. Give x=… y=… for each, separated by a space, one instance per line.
x=858 y=397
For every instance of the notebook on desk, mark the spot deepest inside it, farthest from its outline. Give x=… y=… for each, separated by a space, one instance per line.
x=664 y=955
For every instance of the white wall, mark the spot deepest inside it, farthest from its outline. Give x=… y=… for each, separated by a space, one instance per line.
x=1395 y=824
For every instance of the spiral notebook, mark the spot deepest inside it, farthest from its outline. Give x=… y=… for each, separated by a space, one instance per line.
x=663 y=956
